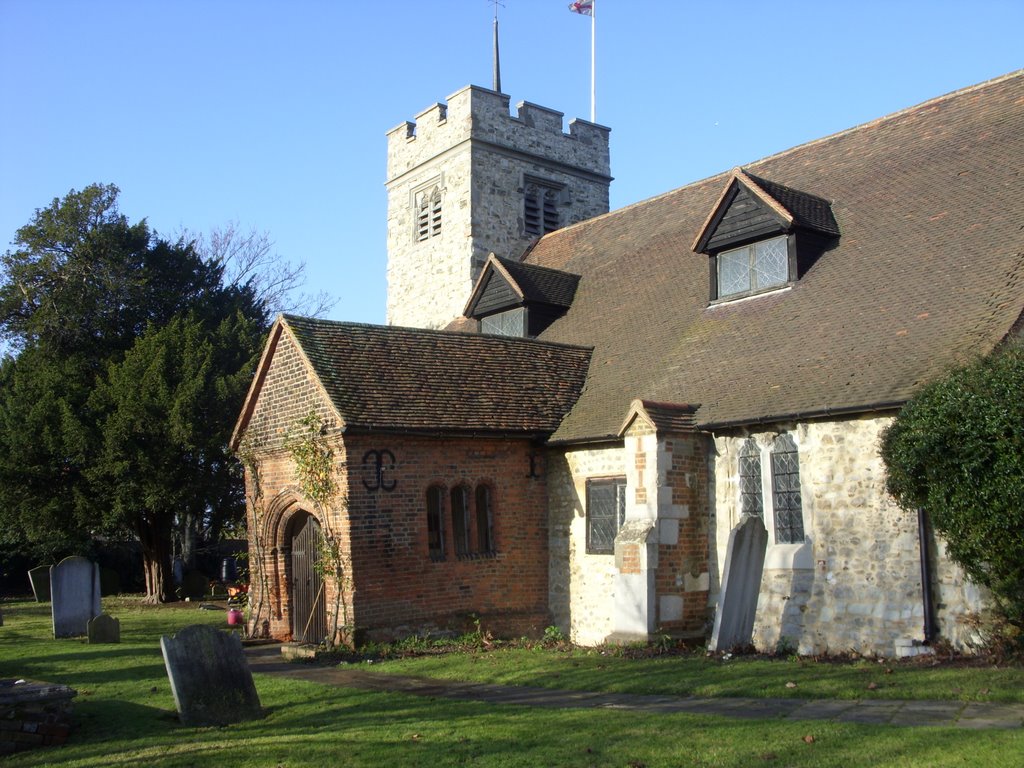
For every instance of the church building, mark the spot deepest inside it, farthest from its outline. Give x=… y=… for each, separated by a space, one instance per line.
x=571 y=410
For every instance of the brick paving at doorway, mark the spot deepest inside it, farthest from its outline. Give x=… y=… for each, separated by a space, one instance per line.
x=267 y=659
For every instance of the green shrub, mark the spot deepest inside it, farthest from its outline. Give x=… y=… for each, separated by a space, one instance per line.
x=957 y=451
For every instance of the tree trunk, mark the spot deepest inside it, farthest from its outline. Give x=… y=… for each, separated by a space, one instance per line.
x=156 y=563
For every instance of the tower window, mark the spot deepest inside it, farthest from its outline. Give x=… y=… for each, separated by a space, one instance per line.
x=428 y=213
x=540 y=209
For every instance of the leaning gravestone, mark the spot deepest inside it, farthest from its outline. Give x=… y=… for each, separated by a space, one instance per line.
x=741 y=585
x=104 y=629
x=74 y=595
x=39 y=578
x=210 y=679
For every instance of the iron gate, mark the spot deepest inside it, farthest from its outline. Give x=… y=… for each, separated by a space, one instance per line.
x=309 y=604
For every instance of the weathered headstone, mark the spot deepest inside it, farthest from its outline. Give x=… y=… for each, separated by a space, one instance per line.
x=74 y=595
x=39 y=578
x=104 y=629
x=741 y=585
x=210 y=679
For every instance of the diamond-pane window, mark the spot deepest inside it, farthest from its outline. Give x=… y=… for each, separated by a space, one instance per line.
x=512 y=322
x=752 y=268
x=606 y=512
x=789 y=519
x=751 y=499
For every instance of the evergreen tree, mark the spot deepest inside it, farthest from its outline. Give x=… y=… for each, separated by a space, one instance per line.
x=131 y=361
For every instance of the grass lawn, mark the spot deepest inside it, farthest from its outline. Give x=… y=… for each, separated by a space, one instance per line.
x=697 y=675
x=125 y=715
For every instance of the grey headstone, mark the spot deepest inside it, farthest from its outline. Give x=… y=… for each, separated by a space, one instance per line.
x=210 y=679
x=74 y=595
x=39 y=578
x=104 y=629
x=741 y=585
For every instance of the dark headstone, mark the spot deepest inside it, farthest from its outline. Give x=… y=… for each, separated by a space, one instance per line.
x=104 y=629
x=741 y=585
x=210 y=679
x=39 y=578
x=74 y=595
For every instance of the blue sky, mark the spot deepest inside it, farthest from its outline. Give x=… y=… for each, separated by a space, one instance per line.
x=273 y=114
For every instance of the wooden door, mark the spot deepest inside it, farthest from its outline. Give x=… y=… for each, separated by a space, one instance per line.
x=309 y=604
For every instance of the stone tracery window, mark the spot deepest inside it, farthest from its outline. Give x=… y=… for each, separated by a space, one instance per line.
x=751 y=498
x=786 y=501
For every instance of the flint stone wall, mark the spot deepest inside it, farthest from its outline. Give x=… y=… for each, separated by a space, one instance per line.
x=855 y=583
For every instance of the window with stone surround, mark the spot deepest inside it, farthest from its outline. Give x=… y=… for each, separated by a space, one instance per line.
x=606 y=512
x=751 y=494
x=786 y=501
x=428 y=212
x=460 y=519
x=540 y=207
x=484 y=520
x=435 y=522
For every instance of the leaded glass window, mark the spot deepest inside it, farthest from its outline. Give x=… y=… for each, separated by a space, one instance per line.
x=751 y=499
x=606 y=512
x=755 y=267
x=435 y=522
x=509 y=323
x=789 y=519
x=460 y=519
x=484 y=520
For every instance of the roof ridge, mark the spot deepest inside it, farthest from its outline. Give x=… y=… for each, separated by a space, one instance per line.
x=440 y=332
x=783 y=153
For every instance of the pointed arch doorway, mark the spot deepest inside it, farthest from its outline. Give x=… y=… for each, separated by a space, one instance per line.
x=308 y=601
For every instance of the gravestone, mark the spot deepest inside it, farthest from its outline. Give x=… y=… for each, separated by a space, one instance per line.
x=74 y=595
x=210 y=679
x=741 y=585
x=39 y=578
x=104 y=629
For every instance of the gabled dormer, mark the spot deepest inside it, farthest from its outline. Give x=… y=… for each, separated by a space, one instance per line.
x=762 y=236
x=516 y=299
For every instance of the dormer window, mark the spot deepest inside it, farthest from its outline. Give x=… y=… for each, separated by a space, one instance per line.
x=516 y=299
x=762 y=236
x=753 y=268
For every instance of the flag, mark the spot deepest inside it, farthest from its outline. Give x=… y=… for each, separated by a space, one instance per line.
x=584 y=7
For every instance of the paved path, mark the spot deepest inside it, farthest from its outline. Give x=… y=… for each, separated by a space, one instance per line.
x=267 y=659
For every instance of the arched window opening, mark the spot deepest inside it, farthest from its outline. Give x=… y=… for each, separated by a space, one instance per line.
x=460 y=519
x=484 y=520
x=435 y=522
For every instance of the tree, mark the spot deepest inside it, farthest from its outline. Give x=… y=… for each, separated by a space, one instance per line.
x=132 y=358
x=957 y=451
x=167 y=409
x=249 y=260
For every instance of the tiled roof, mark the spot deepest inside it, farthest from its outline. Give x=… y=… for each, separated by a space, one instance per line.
x=541 y=284
x=665 y=417
x=928 y=273
x=385 y=377
x=806 y=209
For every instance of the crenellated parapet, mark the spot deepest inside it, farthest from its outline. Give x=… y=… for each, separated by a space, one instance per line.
x=483 y=115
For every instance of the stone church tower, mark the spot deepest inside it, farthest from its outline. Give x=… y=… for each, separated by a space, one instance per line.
x=467 y=179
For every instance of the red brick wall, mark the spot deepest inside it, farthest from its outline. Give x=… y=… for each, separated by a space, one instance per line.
x=398 y=587
x=681 y=564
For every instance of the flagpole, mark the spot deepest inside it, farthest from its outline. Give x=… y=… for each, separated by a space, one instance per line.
x=593 y=59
